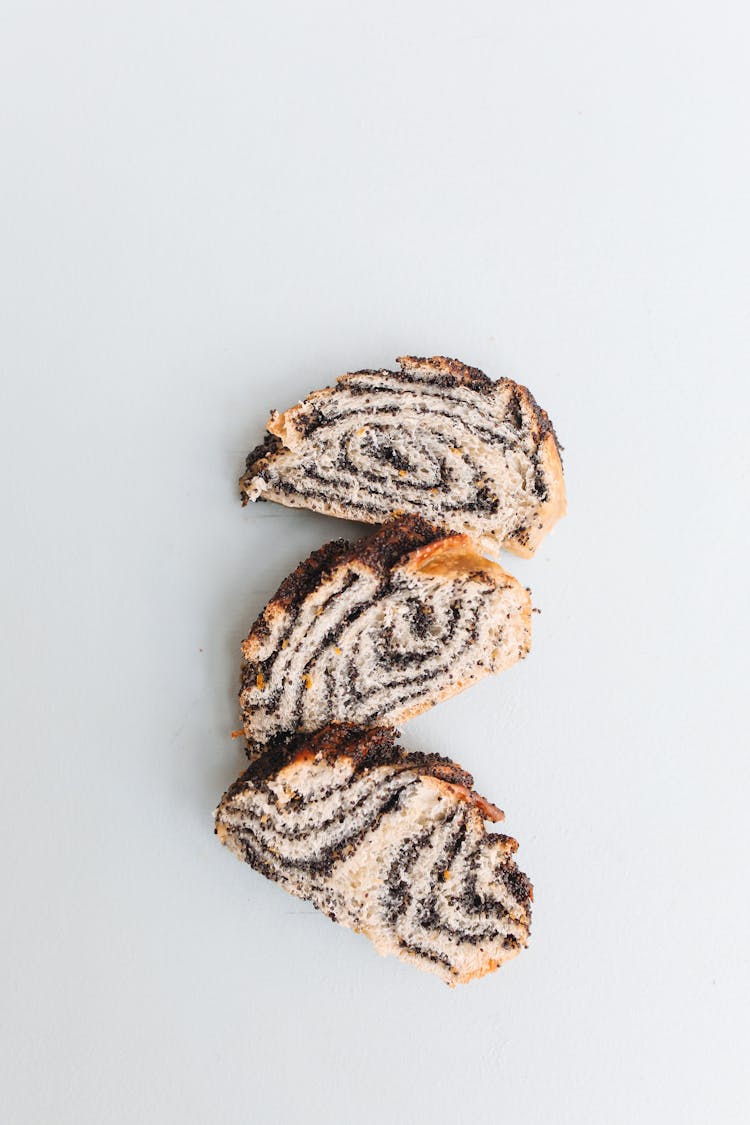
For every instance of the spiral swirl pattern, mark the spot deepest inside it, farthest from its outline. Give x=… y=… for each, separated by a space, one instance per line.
x=388 y=843
x=375 y=634
x=435 y=439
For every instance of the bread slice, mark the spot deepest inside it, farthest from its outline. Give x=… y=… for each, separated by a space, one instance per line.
x=391 y=844
x=436 y=439
x=377 y=632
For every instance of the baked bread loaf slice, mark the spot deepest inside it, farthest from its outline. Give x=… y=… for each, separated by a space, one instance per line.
x=436 y=439
x=376 y=632
x=389 y=843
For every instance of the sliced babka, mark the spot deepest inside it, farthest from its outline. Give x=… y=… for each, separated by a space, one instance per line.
x=376 y=632
x=436 y=438
x=390 y=843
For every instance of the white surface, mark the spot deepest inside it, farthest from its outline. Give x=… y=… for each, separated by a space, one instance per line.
x=208 y=210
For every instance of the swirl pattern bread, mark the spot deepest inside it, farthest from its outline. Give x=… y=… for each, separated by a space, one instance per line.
x=389 y=843
x=373 y=634
x=436 y=439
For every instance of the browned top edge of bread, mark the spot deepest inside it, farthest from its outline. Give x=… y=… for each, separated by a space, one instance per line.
x=381 y=551
x=445 y=371
x=367 y=748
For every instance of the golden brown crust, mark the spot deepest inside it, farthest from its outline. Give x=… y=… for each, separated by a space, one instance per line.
x=281 y=424
x=451 y=557
x=221 y=830
x=484 y=970
x=485 y=808
x=443 y=367
x=551 y=510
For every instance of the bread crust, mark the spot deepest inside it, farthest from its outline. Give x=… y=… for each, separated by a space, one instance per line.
x=552 y=509
x=452 y=556
x=366 y=748
x=442 y=367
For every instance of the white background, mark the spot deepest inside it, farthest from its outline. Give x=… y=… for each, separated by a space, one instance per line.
x=207 y=210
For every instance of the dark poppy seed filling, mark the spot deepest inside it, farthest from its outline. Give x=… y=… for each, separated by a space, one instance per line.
x=436 y=439
x=389 y=843
x=375 y=633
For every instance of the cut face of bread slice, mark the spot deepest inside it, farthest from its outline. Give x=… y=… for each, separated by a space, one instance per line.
x=375 y=633
x=436 y=439
x=389 y=843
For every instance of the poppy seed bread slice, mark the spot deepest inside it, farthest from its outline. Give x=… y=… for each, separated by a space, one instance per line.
x=436 y=439
x=391 y=844
x=377 y=632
